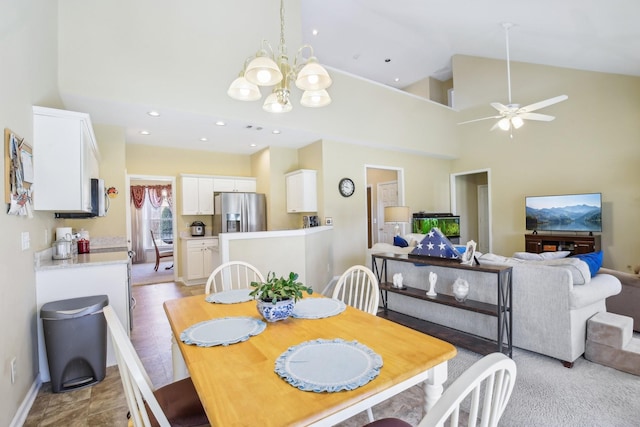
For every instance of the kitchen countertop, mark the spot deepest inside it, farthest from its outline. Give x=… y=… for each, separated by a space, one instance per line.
x=187 y=236
x=45 y=262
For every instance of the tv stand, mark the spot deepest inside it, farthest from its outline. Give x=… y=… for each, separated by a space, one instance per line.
x=575 y=244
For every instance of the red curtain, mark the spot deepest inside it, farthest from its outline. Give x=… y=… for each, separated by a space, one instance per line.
x=137 y=195
x=155 y=195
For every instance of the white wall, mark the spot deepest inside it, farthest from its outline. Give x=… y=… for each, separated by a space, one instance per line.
x=591 y=146
x=28 y=45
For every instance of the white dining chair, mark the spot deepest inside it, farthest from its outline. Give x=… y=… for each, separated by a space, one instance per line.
x=174 y=404
x=485 y=387
x=232 y=275
x=358 y=287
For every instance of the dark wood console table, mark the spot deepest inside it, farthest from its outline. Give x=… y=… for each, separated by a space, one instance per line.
x=502 y=310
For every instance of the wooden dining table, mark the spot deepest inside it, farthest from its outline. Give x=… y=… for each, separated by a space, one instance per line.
x=238 y=386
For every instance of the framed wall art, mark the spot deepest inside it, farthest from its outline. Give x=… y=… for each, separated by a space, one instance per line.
x=18 y=166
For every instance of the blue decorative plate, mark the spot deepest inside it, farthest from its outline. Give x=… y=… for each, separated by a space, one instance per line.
x=317 y=308
x=328 y=365
x=231 y=296
x=223 y=331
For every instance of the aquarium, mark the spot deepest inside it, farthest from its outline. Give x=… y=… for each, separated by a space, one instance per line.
x=447 y=223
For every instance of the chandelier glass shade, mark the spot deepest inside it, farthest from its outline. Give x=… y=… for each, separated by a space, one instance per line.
x=266 y=68
x=243 y=90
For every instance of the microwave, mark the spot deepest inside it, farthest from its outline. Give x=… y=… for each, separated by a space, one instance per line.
x=98 y=199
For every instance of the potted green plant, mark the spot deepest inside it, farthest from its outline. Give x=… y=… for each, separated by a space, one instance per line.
x=276 y=297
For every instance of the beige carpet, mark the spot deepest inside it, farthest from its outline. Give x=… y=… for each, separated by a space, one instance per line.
x=144 y=274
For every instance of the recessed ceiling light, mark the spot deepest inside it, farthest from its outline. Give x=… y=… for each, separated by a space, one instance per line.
x=203 y=139
x=314 y=32
x=275 y=132
x=253 y=145
x=220 y=123
x=153 y=114
x=145 y=132
x=397 y=79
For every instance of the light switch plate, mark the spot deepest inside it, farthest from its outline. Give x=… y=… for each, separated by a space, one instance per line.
x=26 y=241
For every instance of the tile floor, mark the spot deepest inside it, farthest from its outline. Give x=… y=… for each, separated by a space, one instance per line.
x=104 y=404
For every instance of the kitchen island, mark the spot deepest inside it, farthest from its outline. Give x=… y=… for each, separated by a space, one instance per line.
x=102 y=273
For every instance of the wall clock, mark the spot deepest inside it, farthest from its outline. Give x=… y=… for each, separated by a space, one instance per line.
x=346 y=187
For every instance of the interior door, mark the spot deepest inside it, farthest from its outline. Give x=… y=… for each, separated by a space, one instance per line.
x=387 y=196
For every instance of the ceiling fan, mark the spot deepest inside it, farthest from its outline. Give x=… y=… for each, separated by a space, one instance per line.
x=512 y=116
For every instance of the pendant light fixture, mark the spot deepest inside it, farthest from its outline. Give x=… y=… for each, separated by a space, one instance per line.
x=267 y=69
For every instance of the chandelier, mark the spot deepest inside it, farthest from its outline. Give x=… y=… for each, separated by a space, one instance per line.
x=267 y=69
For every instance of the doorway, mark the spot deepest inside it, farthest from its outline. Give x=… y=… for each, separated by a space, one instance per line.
x=151 y=223
x=385 y=186
x=471 y=199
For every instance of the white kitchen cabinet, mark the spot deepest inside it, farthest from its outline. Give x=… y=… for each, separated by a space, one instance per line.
x=235 y=184
x=197 y=195
x=83 y=280
x=200 y=259
x=65 y=158
x=302 y=193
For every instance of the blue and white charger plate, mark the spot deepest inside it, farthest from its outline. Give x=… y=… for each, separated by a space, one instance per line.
x=328 y=365
x=223 y=331
x=317 y=308
x=231 y=296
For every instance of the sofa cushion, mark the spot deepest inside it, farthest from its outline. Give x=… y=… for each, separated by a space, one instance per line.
x=495 y=259
x=530 y=256
x=593 y=260
x=579 y=269
x=399 y=241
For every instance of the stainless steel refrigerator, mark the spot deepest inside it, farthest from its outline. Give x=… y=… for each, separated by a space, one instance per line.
x=239 y=212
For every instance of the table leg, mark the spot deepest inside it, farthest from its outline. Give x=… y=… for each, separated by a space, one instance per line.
x=180 y=370
x=433 y=386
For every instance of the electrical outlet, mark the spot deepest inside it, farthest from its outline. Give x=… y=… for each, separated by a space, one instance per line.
x=13 y=370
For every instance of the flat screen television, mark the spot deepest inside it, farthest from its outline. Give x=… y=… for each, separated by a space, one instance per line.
x=568 y=212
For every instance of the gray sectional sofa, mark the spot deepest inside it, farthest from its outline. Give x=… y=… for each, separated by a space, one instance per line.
x=552 y=300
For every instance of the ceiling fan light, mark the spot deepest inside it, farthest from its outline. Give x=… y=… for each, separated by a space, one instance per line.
x=313 y=76
x=263 y=71
x=315 y=98
x=517 y=122
x=504 y=124
x=243 y=90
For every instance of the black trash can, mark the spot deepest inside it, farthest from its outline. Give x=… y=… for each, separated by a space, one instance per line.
x=75 y=336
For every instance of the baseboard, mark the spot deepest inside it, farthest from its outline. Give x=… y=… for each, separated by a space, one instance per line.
x=23 y=411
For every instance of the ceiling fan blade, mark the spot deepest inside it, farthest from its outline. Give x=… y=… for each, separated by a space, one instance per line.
x=536 y=116
x=478 y=120
x=500 y=107
x=542 y=104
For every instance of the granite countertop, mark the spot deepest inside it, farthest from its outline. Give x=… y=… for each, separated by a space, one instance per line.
x=82 y=260
x=109 y=250
x=187 y=236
